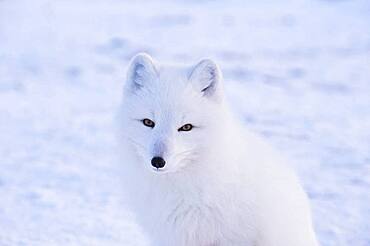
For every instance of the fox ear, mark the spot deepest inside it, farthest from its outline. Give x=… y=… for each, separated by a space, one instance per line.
x=206 y=78
x=141 y=71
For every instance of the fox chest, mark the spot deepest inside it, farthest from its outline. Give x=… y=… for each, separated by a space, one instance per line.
x=187 y=224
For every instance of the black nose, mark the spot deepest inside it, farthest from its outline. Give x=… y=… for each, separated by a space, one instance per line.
x=158 y=162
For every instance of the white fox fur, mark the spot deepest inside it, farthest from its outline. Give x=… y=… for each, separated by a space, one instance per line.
x=221 y=185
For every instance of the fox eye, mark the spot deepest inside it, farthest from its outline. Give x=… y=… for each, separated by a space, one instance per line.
x=148 y=123
x=186 y=128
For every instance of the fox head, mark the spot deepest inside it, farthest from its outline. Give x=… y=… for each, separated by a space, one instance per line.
x=170 y=113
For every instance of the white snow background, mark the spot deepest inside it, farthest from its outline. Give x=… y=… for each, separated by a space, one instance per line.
x=297 y=72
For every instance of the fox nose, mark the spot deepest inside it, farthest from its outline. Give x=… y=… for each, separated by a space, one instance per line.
x=158 y=162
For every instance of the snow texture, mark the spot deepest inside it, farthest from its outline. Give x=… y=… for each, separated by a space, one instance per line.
x=297 y=72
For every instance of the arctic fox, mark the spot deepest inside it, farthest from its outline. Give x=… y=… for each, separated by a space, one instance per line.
x=196 y=177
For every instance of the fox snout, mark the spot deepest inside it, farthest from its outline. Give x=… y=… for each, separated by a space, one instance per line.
x=159 y=149
x=158 y=162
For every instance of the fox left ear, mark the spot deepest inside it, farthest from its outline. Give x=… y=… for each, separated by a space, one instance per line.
x=206 y=78
x=141 y=71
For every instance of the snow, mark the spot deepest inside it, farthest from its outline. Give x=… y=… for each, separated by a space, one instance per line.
x=297 y=72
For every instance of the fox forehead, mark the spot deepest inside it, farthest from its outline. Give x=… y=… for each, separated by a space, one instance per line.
x=172 y=82
x=170 y=93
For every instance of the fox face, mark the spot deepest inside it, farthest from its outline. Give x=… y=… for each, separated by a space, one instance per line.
x=169 y=112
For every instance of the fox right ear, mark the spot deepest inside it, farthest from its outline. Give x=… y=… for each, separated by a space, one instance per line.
x=141 y=71
x=206 y=78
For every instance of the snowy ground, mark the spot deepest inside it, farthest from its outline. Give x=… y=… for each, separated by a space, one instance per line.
x=298 y=72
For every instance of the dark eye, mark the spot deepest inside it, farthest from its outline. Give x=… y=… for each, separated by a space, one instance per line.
x=186 y=128
x=148 y=123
